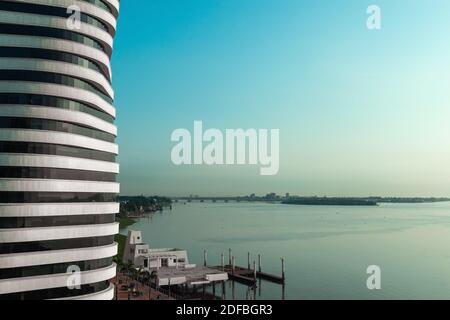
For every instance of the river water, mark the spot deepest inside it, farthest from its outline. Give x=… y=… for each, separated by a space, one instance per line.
x=327 y=249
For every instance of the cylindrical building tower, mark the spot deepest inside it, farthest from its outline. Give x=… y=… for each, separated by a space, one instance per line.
x=57 y=151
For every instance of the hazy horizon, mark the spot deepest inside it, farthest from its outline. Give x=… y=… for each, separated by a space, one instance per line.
x=278 y=194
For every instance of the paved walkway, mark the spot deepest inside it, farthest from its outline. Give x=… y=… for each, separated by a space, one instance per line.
x=140 y=291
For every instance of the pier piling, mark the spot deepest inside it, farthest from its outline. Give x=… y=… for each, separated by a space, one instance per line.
x=233 y=264
x=205 y=257
x=259 y=287
x=233 y=293
x=259 y=262
x=223 y=290
x=169 y=288
x=248 y=260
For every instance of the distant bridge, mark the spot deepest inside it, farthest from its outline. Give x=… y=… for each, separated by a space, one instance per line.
x=223 y=199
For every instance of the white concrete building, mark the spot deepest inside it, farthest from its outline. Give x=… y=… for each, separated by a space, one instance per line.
x=171 y=264
x=139 y=254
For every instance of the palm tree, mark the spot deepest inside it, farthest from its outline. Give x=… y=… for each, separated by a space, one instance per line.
x=135 y=276
x=129 y=267
x=152 y=278
x=119 y=263
x=147 y=277
x=119 y=267
x=154 y=275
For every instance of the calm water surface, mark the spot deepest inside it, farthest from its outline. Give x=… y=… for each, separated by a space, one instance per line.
x=327 y=248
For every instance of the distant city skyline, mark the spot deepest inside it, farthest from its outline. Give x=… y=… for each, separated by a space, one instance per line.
x=361 y=112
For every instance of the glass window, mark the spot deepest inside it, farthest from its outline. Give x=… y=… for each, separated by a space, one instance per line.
x=101 y=4
x=55 y=149
x=55 y=197
x=55 y=173
x=55 y=221
x=53 y=125
x=53 y=33
x=57 y=293
x=7 y=248
x=56 y=268
x=49 y=77
x=55 y=102
x=51 y=11
x=53 y=55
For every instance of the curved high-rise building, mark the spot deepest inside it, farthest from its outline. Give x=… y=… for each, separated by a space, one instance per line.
x=57 y=149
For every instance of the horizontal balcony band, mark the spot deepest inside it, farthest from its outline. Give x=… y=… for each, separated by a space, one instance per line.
x=26 y=259
x=57 y=174
x=49 y=125
x=58 y=90
x=48 y=185
x=38 y=31
x=55 y=11
x=25 y=41
x=115 y=4
x=57 y=209
x=60 y=162
x=55 y=280
x=59 y=221
x=107 y=294
x=39 y=77
x=53 y=55
x=50 y=245
x=21 y=101
x=54 y=268
x=111 y=7
x=58 y=67
x=54 y=293
x=57 y=233
x=85 y=7
x=55 y=197
x=37 y=20
x=55 y=137
x=16 y=147
x=51 y=113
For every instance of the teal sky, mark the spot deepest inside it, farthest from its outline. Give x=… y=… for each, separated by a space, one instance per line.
x=360 y=112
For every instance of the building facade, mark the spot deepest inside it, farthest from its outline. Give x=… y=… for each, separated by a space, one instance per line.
x=171 y=264
x=57 y=149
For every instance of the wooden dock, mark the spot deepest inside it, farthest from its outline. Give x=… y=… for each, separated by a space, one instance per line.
x=270 y=277
x=240 y=275
x=249 y=275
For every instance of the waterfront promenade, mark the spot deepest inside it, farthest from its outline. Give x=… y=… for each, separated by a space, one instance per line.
x=130 y=289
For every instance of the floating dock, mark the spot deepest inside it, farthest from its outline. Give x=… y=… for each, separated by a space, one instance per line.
x=249 y=275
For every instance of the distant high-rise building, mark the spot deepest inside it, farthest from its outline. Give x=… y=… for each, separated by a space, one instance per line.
x=57 y=152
